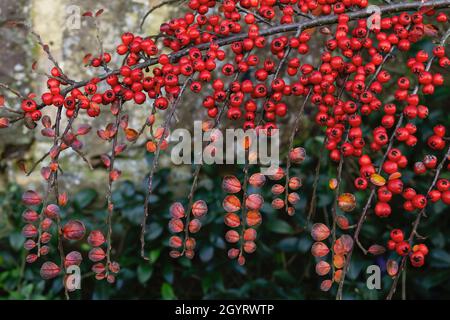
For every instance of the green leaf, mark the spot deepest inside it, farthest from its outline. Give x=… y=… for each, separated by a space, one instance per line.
x=16 y=240
x=304 y=245
x=84 y=198
x=288 y=244
x=206 y=253
x=168 y=273
x=154 y=255
x=154 y=231
x=440 y=258
x=280 y=226
x=167 y=292
x=144 y=273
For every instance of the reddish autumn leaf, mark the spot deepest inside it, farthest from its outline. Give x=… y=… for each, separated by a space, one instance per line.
x=124 y=121
x=342 y=222
x=431 y=30
x=115 y=108
x=320 y=232
x=115 y=174
x=87 y=14
x=21 y=165
x=46 y=121
x=77 y=145
x=377 y=249
x=426 y=8
x=326 y=285
x=62 y=199
x=99 y=12
x=87 y=58
x=2 y=100
x=31 y=198
x=111 y=130
x=4 y=123
x=84 y=129
x=102 y=134
x=54 y=152
x=106 y=160
x=45 y=172
x=48 y=132
x=119 y=149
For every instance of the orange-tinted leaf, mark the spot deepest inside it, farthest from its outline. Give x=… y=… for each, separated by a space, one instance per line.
x=431 y=30
x=131 y=134
x=333 y=183
x=310 y=31
x=377 y=180
x=392 y=267
x=338 y=261
x=395 y=176
x=347 y=202
x=2 y=100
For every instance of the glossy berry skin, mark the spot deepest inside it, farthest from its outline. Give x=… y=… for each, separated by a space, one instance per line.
x=417 y=259
x=403 y=248
x=397 y=235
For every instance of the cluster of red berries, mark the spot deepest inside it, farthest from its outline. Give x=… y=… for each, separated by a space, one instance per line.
x=402 y=247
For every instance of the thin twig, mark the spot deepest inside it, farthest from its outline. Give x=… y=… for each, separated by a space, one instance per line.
x=155 y=165
x=291 y=145
x=109 y=191
x=159 y=5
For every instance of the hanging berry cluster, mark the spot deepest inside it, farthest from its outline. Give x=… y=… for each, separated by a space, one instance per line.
x=246 y=59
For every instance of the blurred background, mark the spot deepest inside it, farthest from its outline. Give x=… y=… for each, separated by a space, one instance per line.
x=281 y=268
